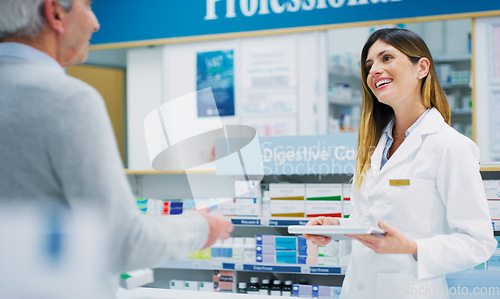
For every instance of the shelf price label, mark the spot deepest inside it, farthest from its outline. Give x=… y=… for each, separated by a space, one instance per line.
x=325 y=270
x=256 y=222
x=216 y=265
x=287 y=222
x=238 y=266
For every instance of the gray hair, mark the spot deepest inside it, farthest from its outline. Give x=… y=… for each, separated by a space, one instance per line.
x=24 y=18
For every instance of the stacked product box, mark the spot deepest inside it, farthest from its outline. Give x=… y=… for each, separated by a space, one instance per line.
x=346 y=200
x=492 y=189
x=272 y=249
x=246 y=202
x=323 y=200
x=248 y=198
x=319 y=255
x=234 y=249
x=163 y=207
x=315 y=291
x=202 y=286
x=205 y=254
x=224 y=281
x=287 y=200
x=142 y=204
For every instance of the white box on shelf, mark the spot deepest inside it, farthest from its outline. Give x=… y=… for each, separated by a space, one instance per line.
x=492 y=189
x=247 y=189
x=177 y=284
x=137 y=278
x=285 y=191
x=205 y=286
x=226 y=206
x=330 y=208
x=191 y=285
x=248 y=206
x=323 y=192
x=494 y=205
x=288 y=208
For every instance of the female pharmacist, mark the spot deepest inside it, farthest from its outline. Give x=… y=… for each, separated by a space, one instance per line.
x=416 y=178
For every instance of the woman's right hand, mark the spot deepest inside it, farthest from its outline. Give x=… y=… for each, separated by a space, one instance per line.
x=321 y=240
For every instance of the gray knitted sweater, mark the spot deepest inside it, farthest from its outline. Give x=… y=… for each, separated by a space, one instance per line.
x=57 y=147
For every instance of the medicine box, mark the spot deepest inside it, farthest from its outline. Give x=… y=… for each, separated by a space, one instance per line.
x=302 y=290
x=265 y=258
x=226 y=206
x=323 y=192
x=347 y=208
x=191 y=285
x=265 y=249
x=286 y=257
x=177 y=284
x=205 y=286
x=250 y=206
x=285 y=242
x=287 y=208
x=136 y=278
x=287 y=191
x=248 y=188
x=494 y=205
x=492 y=189
x=328 y=208
x=264 y=239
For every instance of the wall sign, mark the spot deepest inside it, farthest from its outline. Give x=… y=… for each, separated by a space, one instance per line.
x=129 y=21
x=300 y=155
x=215 y=70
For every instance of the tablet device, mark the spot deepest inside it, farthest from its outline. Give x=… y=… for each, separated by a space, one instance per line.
x=336 y=232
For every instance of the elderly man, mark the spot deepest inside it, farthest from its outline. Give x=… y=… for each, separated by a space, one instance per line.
x=57 y=145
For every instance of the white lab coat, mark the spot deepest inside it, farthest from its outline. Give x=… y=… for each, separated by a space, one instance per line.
x=444 y=209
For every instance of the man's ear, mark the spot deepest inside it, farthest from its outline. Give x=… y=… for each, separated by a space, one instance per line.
x=54 y=14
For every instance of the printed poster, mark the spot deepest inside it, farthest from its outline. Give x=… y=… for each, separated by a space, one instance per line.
x=269 y=78
x=215 y=70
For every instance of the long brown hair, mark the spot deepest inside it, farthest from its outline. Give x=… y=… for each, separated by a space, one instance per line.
x=374 y=115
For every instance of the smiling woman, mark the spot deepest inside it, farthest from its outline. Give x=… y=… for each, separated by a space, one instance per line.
x=416 y=178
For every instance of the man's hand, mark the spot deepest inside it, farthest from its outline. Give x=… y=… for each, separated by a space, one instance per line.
x=218 y=227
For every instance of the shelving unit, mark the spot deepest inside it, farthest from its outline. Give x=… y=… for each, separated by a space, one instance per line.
x=454 y=74
x=344 y=99
x=202 y=270
x=252 y=267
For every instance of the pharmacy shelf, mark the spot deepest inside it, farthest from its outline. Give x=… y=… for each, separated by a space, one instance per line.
x=496 y=225
x=152 y=293
x=268 y=221
x=455 y=85
x=344 y=101
x=268 y=268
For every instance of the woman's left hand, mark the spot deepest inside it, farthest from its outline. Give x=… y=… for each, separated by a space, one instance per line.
x=393 y=242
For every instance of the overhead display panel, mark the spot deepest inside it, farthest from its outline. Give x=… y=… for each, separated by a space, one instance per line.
x=132 y=21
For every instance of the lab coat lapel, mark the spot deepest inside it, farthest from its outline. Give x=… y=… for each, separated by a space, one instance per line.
x=429 y=125
x=376 y=159
x=408 y=147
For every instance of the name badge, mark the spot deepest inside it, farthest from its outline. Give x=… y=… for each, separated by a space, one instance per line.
x=399 y=182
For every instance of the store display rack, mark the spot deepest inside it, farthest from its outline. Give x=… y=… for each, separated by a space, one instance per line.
x=267 y=221
x=266 y=268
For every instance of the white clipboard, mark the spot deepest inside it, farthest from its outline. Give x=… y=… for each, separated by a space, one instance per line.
x=336 y=232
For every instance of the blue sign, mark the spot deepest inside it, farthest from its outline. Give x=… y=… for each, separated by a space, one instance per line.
x=297 y=155
x=215 y=70
x=129 y=20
